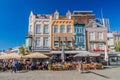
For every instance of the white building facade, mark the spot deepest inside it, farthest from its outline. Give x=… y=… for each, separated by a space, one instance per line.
x=40 y=31
x=110 y=39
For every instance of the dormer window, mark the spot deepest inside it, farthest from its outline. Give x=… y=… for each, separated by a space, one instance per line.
x=68 y=15
x=56 y=15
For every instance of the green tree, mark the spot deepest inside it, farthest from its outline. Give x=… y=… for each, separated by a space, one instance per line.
x=117 y=47
x=22 y=50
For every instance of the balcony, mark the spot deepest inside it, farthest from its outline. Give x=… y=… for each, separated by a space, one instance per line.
x=41 y=48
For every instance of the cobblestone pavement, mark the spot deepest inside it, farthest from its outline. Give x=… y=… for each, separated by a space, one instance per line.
x=106 y=74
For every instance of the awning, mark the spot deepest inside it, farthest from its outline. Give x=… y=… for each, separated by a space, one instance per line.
x=69 y=38
x=86 y=54
x=62 y=38
x=56 y=38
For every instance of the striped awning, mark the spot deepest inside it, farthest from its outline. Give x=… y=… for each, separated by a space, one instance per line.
x=62 y=38
x=56 y=38
x=69 y=38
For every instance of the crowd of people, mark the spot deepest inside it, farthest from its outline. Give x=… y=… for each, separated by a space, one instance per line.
x=17 y=65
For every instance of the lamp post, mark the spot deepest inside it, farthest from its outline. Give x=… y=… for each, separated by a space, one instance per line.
x=63 y=52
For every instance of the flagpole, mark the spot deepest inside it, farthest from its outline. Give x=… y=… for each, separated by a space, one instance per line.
x=106 y=56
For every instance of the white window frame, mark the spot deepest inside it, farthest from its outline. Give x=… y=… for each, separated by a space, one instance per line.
x=37 y=42
x=46 y=29
x=45 y=42
x=69 y=27
x=55 y=29
x=62 y=26
x=36 y=31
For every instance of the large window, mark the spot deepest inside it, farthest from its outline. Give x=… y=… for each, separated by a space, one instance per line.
x=79 y=30
x=56 y=29
x=37 y=42
x=45 y=42
x=69 y=43
x=91 y=46
x=62 y=29
x=69 y=30
x=100 y=46
x=79 y=38
x=37 y=29
x=91 y=36
x=45 y=29
x=100 y=35
x=56 y=43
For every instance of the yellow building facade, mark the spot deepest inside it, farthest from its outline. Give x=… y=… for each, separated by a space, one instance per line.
x=62 y=31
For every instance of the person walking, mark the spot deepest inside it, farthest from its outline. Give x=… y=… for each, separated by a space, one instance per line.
x=14 y=66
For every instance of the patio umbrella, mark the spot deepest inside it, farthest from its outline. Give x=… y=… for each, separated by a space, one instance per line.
x=4 y=56
x=11 y=56
x=35 y=55
x=15 y=56
x=86 y=53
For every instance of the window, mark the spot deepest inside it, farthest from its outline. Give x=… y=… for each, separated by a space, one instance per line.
x=62 y=29
x=79 y=30
x=79 y=38
x=100 y=46
x=91 y=36
x=68 y=16
x=37 y=29
x=55 y=29
x=69 y=43
x=45 y=42
x=56 y=43
x=56 y=16
x=100 y=35
x=92 y=46
x=46 y=29
x=37 y=42
x=69 y=30
x=75 y=29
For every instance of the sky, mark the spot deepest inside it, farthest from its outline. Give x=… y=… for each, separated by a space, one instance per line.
x=14 y=15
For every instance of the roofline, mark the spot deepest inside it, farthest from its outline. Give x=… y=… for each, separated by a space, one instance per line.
x=83 y=11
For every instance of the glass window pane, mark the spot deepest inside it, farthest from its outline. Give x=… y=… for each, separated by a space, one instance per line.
x=46 y=29
x=37 y=42
x=55 y=29
x=62 y=29
x=37 y=29
x=69 y=30
x=56 y=43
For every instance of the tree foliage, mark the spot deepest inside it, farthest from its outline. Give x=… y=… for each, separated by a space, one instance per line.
x=22 y=50
x=117 y=47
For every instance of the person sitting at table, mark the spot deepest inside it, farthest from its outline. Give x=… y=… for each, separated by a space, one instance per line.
x=92 y=65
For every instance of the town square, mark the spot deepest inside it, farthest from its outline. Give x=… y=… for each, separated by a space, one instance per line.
x=59 y=40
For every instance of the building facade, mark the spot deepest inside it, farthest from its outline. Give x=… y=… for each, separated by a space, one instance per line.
x=110 y=39
x=96 y=36
x=40 y=32
x=116 y=37
x=62 y=31
x=82 y=17
x=79 y=36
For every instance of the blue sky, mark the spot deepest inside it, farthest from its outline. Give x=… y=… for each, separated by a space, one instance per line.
x=14 y=15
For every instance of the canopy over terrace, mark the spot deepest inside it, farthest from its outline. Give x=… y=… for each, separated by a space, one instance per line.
x=11 y=56
x=86 y=54
x=35 y=55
